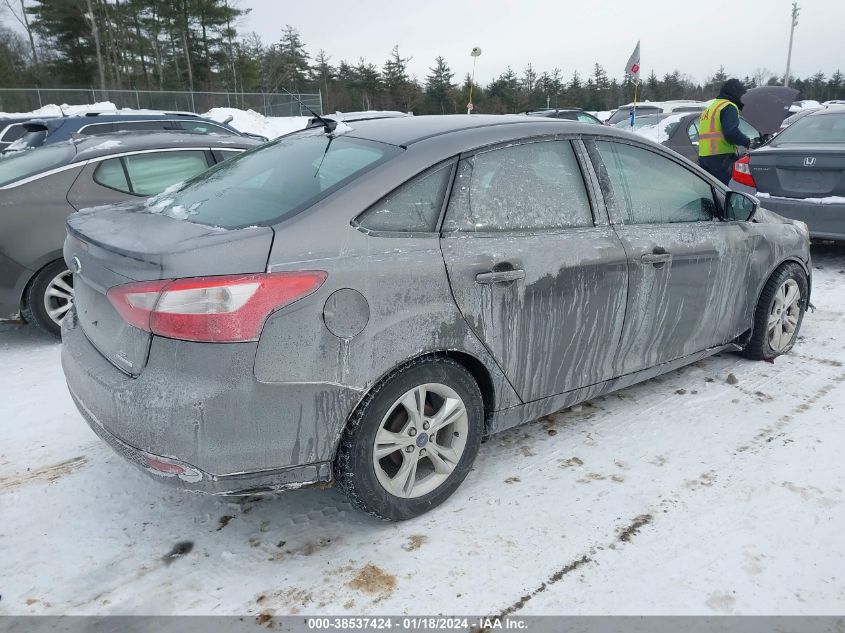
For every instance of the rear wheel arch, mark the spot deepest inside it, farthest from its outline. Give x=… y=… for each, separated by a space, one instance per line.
x=473 y=365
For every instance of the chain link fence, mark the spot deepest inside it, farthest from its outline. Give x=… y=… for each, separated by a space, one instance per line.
x=268 y=104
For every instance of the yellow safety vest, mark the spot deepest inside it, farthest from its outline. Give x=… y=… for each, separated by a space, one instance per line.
x=711 y=140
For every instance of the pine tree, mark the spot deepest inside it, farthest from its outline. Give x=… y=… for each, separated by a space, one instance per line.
x=439 y=87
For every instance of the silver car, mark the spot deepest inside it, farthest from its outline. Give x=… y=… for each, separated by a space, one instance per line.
x=364 y=305
x=39 y=188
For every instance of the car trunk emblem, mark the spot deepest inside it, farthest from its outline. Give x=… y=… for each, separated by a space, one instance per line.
x=809 y=161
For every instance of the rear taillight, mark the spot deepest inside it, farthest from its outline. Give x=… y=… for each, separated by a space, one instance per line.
x=742 y=172
x=224 y=309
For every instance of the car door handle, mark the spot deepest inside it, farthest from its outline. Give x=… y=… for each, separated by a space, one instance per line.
x=500 y=276
x=656 y=258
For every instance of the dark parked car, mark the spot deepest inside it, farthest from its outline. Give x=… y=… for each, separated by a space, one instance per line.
x=800 y=174
x=39 y=189
x=570 y=114
x=363 y=308
x=11 y=129
x=40 y=131
x=679 y=132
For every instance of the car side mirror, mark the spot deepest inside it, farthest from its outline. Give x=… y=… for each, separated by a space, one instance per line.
x=740 y=206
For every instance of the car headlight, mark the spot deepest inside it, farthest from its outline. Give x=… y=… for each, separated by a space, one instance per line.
x=802 y=228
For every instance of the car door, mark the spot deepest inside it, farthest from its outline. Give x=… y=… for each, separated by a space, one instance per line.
x=132 y=175
x=688 y=271
x=540 y=281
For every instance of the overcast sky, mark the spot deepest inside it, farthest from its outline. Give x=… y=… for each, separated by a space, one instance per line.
x=693 y=37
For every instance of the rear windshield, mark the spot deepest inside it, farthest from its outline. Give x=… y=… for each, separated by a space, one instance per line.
x=821 y=128
x=29 y=163
x=624 y=113
x=272 y=182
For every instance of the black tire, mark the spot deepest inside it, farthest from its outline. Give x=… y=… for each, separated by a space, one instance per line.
x=759 y=347
x=354 y=469
x=34 y=310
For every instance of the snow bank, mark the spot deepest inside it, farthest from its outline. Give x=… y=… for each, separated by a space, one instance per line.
x=251 y=122
x=52 y=110
x=827 y=200
x=806 y=104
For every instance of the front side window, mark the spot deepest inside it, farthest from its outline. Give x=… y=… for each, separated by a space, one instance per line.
x=150 y=174
x=413 y=207
x=278 y=180
x=534 y=186
x=642 y=187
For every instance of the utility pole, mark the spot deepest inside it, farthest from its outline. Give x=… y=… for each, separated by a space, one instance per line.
x=795 y=11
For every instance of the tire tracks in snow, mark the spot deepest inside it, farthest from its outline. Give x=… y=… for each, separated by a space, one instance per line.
x=626 y=534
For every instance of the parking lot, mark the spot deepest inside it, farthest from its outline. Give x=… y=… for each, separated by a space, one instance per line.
x=715 y=489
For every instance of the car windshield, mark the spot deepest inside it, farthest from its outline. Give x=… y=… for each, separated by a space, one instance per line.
x=21 y=165
x=272 y=182
x=821 y=128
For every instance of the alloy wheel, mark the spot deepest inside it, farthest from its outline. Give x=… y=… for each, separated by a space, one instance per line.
x=420 y=440
x=784 y=315
x=58 y=297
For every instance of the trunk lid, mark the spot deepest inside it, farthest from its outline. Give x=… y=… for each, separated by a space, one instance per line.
x=111 y=246
x=799 y=171
x=767 y=106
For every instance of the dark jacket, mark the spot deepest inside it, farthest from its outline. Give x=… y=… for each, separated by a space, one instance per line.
x=730 y=117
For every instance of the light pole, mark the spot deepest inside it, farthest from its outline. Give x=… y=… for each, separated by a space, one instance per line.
x=795 y=11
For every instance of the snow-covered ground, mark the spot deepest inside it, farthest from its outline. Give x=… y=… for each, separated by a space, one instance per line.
x=711 y=490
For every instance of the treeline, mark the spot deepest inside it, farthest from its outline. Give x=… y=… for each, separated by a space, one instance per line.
x=195 y=45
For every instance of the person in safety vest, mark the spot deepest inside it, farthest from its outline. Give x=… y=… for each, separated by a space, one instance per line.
x=719 y=133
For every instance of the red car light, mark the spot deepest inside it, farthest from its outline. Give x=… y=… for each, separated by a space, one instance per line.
x=224 y=309
x=742 y=172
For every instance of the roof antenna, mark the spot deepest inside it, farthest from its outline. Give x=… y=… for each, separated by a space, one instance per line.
x=62 y=110
x=328 y=126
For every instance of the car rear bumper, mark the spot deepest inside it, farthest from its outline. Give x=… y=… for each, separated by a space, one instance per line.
x=197 y=418
x=825 y=221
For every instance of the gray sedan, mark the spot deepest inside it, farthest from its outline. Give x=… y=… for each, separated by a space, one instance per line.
x=41 y=187
x=362 y=306
x=801 y=172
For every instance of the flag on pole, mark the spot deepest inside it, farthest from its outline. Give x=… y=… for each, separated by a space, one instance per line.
x=633 y=67
x=632 y=70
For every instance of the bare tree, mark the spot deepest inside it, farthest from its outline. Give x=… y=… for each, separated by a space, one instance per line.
x=24 y=21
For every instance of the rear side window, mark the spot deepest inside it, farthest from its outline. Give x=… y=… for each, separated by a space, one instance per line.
x=278 y=180
x=527 y=187
x=96 y=128
x=13 y=133
x=642 y=187
x=149 y=174
x=413 y=207
x=110 y=174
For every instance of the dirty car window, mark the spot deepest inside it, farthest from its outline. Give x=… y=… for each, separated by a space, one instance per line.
x=646 y=188
x=413 y=207
x=272 y=182
x=523 y=187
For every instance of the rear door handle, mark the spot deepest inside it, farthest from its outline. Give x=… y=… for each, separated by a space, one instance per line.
x=500 y=276
x=656 y=258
